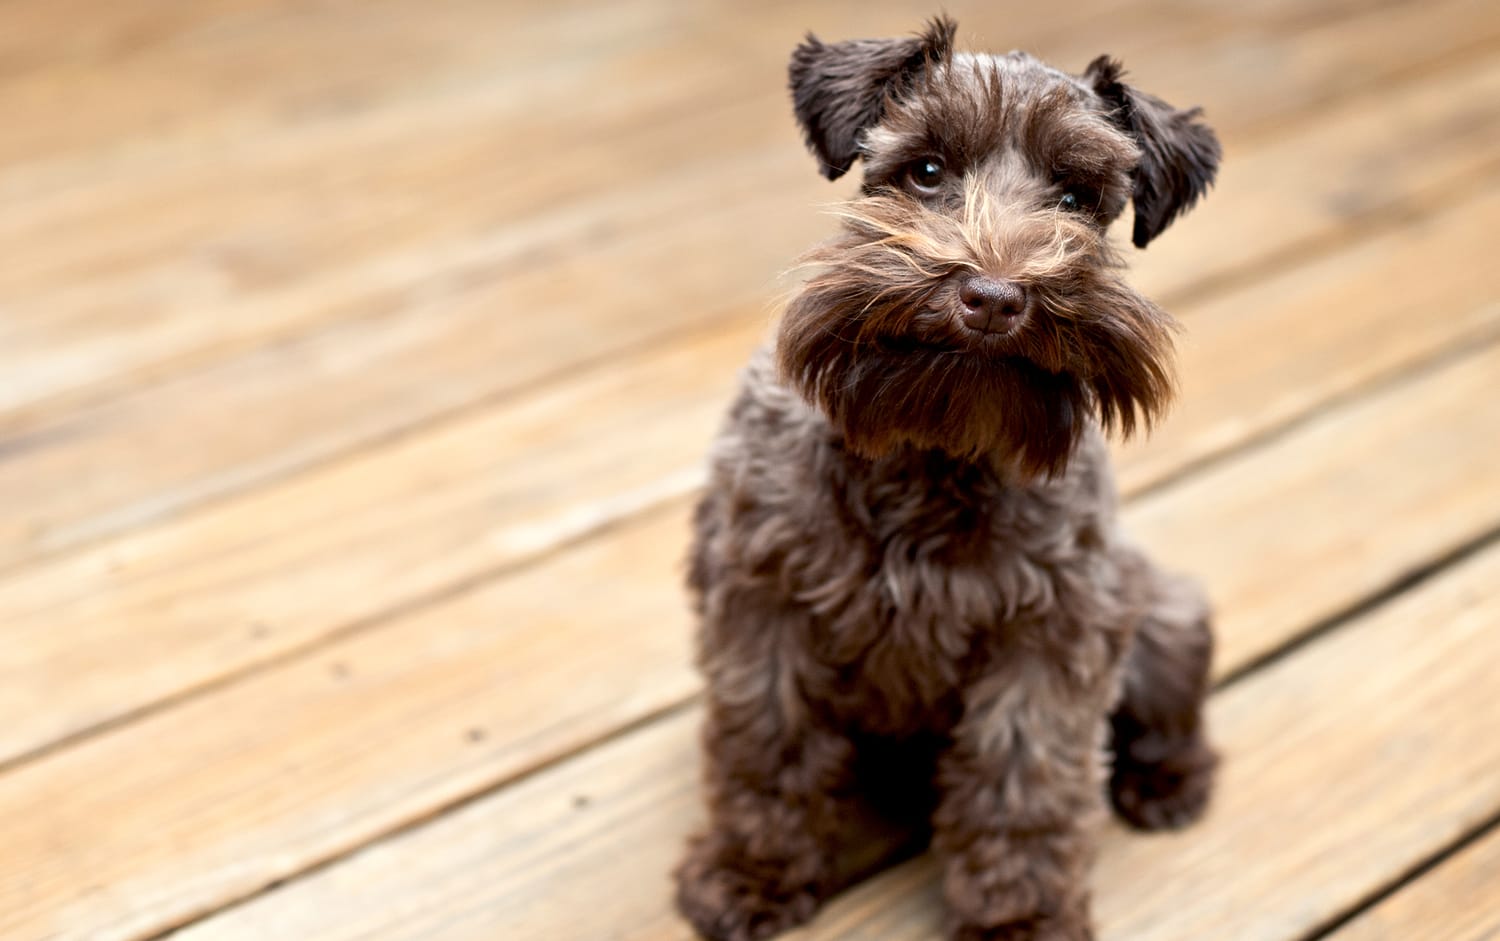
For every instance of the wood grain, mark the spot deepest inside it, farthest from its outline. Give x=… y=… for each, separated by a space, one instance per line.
x=252 y=783
x=359 y=358
x=1317 y=806
x=407 y=293
x=457 y=102
x=1405 y=486
x=1457 y=901
x=155 y=114
x=181 y=605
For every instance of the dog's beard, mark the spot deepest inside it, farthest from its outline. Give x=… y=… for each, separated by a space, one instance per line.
x=967 y=405
x=867 y=341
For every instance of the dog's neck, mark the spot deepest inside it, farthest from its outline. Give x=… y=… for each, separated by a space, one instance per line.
x=909 y=461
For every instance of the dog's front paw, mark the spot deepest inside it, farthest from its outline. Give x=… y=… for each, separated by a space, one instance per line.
x=1031 y=929
x=731 y=899
x=1164 y=795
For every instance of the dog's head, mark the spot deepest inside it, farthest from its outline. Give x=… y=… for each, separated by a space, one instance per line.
x=971 y=303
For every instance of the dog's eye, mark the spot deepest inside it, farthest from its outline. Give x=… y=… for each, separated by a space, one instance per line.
x=1075 y=198
x=925 y=175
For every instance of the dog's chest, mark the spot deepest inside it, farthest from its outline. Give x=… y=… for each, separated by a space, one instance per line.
x=938 y=561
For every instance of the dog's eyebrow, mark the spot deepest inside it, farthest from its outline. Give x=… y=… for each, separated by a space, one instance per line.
x=1083 y=164
x=1069 y=148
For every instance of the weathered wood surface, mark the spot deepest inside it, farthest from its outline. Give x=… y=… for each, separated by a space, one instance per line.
x=293 y=564
x=344 y=300
x=359 y=359
x=1317 y=804
x=268 y=776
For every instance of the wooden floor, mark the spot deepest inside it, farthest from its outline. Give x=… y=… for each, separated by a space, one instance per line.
x=357 y=361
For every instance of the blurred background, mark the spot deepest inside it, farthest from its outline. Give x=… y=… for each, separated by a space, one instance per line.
x=357 y=363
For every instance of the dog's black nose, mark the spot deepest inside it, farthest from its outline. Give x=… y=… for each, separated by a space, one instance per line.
x=990 y=304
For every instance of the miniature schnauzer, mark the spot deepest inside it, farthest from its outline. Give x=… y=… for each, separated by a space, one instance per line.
x=915 y=601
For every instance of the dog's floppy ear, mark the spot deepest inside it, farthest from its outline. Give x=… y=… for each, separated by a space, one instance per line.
x=840 y=89
x=1179 y=153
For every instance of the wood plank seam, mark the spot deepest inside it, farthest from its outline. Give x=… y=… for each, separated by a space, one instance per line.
x=1434 y=362
x=1285 y=21
x=1405 y=880
x=294 y=654
x=1456 y=846
x=1363 y=607
x=1368 y=417
x=1374 y=222
x=684 y=490
x=1393 y=589
x=1382 y=219
x=480 y=576
x=1458 y=349
x=437 y=811
x=1453 y=901
x=476 y=580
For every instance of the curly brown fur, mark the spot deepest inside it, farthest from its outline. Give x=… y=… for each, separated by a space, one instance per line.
x=915 y=602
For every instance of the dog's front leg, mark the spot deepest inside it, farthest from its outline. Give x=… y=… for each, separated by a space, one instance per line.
x=778 y=791
x=1022 y=795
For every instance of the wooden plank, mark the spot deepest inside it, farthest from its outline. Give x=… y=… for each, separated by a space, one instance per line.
x=127 y=465
x=1315 y=570
x=179 y=606
x=1457 y=901
x=165 y=81
x=157 y=87
x=475 y=53
x=1330 y=735
x=392 y=336
x=256 y=781
x=455 y=102
x=1280 y=346
x=301 y=781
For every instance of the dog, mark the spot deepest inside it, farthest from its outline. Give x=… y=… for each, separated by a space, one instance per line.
x=915 y=603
